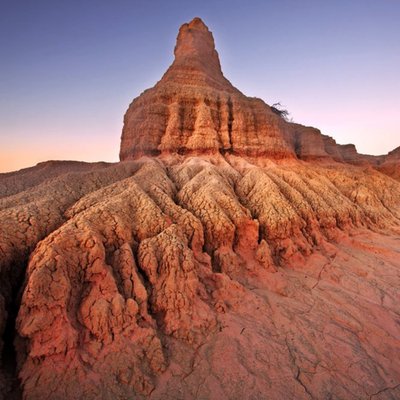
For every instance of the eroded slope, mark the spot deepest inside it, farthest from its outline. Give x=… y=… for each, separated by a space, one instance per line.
x=197 y=279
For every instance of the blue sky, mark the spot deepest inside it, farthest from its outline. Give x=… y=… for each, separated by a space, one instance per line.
x=69 y=69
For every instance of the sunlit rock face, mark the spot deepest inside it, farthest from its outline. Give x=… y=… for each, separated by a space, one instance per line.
x=230 y=255
x=195 y=110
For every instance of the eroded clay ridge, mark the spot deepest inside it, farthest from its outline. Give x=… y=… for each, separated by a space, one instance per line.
x=195 y=110
x=205 y=279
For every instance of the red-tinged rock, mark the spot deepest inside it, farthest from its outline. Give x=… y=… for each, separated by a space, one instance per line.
x=195 y=110
x=244 y=257
x=391 y=164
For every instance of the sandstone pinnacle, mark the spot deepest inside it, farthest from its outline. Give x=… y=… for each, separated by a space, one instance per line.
x=194 y=110
x=195 y=50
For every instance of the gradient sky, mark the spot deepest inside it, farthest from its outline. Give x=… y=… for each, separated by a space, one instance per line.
x=69 y=69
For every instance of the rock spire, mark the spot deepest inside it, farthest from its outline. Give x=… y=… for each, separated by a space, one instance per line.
x=195 y=110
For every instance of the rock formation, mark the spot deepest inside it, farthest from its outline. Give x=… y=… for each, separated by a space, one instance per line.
x=195 y=110
x=229 y=255
x=390 y=164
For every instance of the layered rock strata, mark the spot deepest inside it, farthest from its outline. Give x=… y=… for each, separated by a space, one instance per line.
x=195 y=110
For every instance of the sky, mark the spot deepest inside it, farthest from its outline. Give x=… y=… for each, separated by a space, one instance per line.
x=69 y=69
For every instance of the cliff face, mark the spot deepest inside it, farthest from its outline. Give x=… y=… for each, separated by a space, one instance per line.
x=390 y=164
x=195 y=110
x=231 y=255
